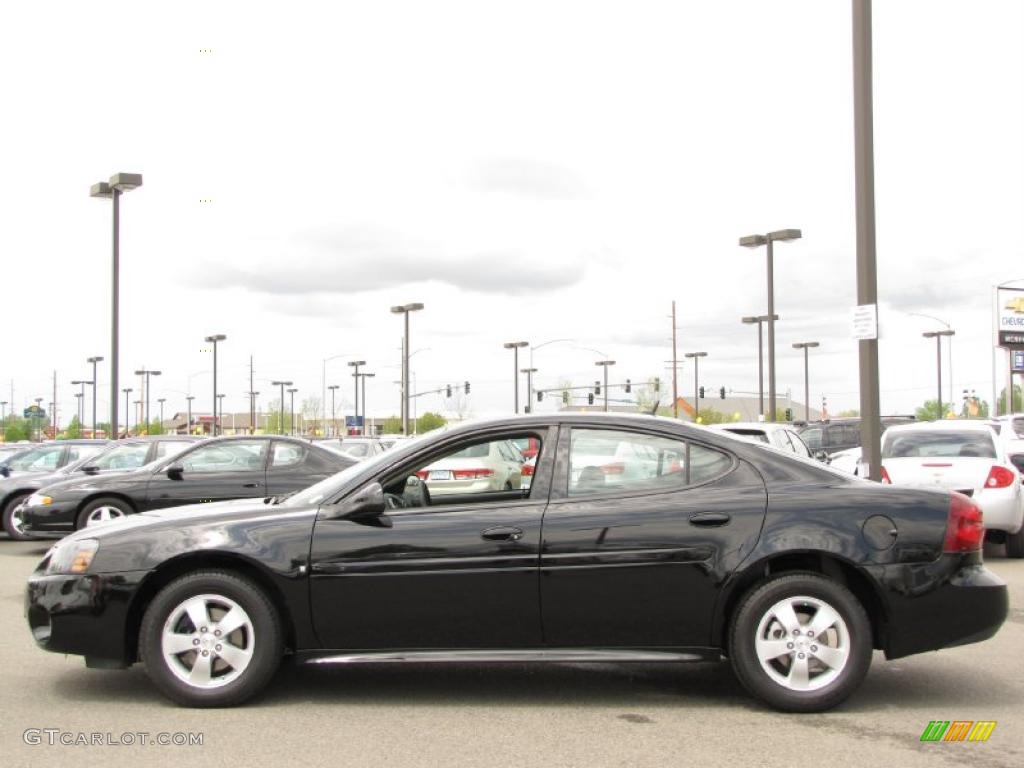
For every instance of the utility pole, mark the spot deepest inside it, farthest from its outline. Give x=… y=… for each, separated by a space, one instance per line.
x=675 y=365
x=53 y=414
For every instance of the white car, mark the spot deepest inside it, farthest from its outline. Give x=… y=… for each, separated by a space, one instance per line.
x=781 y=436
x=965 y=456
x=493 y=466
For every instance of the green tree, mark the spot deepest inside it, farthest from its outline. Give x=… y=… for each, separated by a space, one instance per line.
x=392 y=426
x=974 y=408
x=73 y=430
x=429 y=421
x=849 y=413
x=16 y=429
x=711 y=416
x=1018 y=399
x=273 y=420
x=930 y=411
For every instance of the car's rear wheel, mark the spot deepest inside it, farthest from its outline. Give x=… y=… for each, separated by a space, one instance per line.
x=1015 y=544
x=101 y=511
x=800 y=642
x=211 y=639
x=12 y=518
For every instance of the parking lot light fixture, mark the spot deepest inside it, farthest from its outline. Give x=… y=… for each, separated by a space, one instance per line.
x=405 y=309
x=218 y=414
x=127 y=424
x=119 y=184
x=605 y=364
x=162 y=400
x=282 y=385
x=937 y=335
x=188 y=426
x=213 y=339
x=515 y=346
x=696 y=356
x=756 y=241
x=93 y=360
x=81 y=398
x=334 y=417
x=292 y=392
x=364 y=377
x=528 y=408
x=760 y=320
x=147 y=375
x=806 y=345
x=355 y=378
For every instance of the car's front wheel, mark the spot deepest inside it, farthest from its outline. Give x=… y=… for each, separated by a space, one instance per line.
x=211 y=639
x=800 y=642
x=101 y=511
x=12 y=518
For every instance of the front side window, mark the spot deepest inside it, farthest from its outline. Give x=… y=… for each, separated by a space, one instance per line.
x=236 y=456
x=38 y=460
x=602 y=461
x=167 y=448
x=77 y=452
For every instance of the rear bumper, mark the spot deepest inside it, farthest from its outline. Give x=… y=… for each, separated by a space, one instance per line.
x=1001 y=509
x=940 y=605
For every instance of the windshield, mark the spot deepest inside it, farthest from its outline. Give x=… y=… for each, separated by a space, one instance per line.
x=943 y=443
x=122 y=457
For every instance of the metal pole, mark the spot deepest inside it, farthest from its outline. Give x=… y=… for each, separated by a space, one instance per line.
x=771 y=330
x=188 y=426
x=363 y=429
x=94 y=386
x=760 y=366
x=938 y=371
x=675 y=366
x=127 y=426
x=115 y=198
x=605 y=387
x=696 y=388
x=1009 y=382
x=867 y=278
x=807 y=387
x=214 y=388
x=405 y=377
x=291 y=394
x=515 y=378
x=334 y=418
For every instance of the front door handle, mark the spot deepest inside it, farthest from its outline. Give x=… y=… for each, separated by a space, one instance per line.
x=251 y=485
x=502 y=533
x=709 y=519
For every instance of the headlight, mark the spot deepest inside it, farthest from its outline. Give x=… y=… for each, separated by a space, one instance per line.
x=38 y=500
x=72 y=556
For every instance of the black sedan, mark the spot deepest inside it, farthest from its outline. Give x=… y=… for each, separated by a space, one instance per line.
x=49 y=456
x=119 y=456
x=214 y=470
x=639 y=539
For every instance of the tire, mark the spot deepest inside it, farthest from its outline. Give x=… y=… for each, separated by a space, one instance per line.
x=756 y=630
x=1014 y=543
x=101 y=510
x=10 y=523
x=225 y=680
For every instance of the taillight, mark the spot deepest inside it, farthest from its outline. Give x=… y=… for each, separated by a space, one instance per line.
x=999 y=477
x=423 y=474
x=615 y=468
x=527 y=470
x=885 y=477
x=965 y=530
x=471 y=474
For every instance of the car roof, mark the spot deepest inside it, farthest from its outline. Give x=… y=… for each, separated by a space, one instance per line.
x=764 y=426
x=961 y=425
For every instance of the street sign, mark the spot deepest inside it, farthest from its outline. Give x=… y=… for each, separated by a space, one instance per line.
x=1011 y=317
x=1018 y=361
x=34 y=412
x=865 y=322
x=353 y=421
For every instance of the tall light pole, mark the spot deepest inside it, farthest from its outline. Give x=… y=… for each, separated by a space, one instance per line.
x=79 y=396
x=355 y=377
x=252 y=411
x=605 y=364
x=3 y=418
x=759 y=319
x=93 y=360
x=292 y=392
x=756 y=241
x=696 y=356
x=949 y=350
x=188 y=427
x=282 y=385
x=675 y=365
x=147 y=374
x=81 y=399
x=119 y=184
x=218 y=411
x=334 y=417
x=39 y=421
x=127 y=425
x=515 y=346
x=405 y=309
x=162 y=400
x=213 y=339
x=528 y=408
x=937 y=335
x=364 y=377
x=806 y=345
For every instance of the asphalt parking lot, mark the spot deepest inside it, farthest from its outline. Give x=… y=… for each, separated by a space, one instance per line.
x=559 y=715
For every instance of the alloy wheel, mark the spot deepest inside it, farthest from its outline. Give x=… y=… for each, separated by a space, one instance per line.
x=802 y=643
x=208 y=641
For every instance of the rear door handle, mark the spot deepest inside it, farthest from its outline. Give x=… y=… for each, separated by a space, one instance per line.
x=709 y=519
x=251 y=485
x=502 y=533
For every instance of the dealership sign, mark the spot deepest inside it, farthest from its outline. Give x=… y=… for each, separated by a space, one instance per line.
x=1011 y=317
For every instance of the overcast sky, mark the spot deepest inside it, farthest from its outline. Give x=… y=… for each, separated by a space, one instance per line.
x=528 y=170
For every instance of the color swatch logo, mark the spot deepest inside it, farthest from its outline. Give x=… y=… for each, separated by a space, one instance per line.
x=958 y=730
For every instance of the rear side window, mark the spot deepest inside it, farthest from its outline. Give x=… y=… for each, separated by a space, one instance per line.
x=287 y=455
x=812 y=437
x=602 y=461
x=940 y=443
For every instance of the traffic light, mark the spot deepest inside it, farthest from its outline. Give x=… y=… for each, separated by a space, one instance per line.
x=700 y=392
x=657 y=384
x=789 y=414
x=597 y=387
x=590 y=398
x=565 y=397
x=629 y=386
x=467 y=387
x=448 y=391
x=540 y=395
x=721 y=393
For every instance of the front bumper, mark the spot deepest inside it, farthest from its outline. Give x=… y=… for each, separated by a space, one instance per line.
x=58 y=517
x=940 y=605
x=83 y=614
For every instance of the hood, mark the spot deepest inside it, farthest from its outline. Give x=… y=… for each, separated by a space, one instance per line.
x=80 y=481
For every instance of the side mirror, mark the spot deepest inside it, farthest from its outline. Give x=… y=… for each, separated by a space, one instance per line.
x=91 y=470
x=175 y=471
x=366 y=507
x=821 y=455
x=5 y=471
